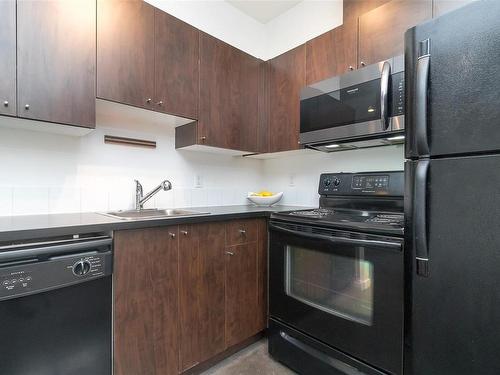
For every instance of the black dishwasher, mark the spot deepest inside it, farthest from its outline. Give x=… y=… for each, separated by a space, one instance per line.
x=56 y=307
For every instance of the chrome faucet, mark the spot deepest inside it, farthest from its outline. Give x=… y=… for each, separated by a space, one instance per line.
x=140 y=199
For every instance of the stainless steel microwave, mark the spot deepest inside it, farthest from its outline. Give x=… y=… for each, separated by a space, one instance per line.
x=362 y=108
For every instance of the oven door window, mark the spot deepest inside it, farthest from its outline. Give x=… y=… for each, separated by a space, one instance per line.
x=339 y=285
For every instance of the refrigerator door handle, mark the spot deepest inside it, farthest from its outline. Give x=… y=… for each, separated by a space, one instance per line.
x=384 y=95
x=421 y=100
x=420 y=218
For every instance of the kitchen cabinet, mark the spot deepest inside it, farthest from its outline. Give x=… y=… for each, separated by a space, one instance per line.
x=125 y=52
x=176 y=66
x=202 y=292
x=287 y=78
x=352 y=9
x=381 y=31
x=263 y=107
x=332 y=53
x=228 y=107
x=146 y=291
x=56 y=48
x=439 y=7
x=146 y=58
x=8 y=57
x=246 y=265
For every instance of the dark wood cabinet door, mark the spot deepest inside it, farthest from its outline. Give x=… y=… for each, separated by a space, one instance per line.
x=8 y=57
x=176 y=66
x=381 y=31
x=242 y=292
x=263 y=107
x=146 y=301
x=355 y=8
x=202 y=296
x=56 y=47
x=125 y=52
x=440 y=7
x=332 y=53
x=228 y=107
x=287 y=78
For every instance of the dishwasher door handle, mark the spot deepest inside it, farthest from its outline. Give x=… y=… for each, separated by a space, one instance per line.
x=51 y=250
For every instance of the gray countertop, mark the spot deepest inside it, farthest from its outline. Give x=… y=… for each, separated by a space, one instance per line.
x=15 y=228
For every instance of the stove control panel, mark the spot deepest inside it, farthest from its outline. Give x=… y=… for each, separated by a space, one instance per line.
x=371 y=183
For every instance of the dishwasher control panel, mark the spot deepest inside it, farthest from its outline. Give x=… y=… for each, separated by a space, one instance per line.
x=53 y=273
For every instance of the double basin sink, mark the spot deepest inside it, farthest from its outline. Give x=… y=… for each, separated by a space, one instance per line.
x=152 y=213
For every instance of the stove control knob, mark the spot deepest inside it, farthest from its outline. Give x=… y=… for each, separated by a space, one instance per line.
x=327 y=182
x=81 y=267
x=336 y=181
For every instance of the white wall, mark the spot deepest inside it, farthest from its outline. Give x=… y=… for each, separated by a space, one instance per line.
x=50 y=173
x=298 y=176
x=218 y=18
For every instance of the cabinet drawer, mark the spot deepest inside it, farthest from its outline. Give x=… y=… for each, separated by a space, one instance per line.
x=241 y=231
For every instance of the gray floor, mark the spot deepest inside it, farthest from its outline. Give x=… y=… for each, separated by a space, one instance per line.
x=253 y=360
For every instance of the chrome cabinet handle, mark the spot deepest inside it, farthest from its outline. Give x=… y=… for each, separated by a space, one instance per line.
x=172 y=235
x=362 y=63
x=351 y=67
x=6 y=103
x=229 y=253
x=27 y=107
x=384 y=97
x=203 y=138
x=160 y=103
x=243 y=232
x=184 y=232
x=148 y=100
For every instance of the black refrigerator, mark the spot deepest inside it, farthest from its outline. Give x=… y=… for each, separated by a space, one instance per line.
x=452 y=197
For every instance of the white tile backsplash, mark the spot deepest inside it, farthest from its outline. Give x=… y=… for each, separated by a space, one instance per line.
x=30 y=200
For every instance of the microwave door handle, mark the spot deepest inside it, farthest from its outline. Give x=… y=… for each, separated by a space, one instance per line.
x=420 y=219
x=338 y=240
x=421 y=103
x=384 y=95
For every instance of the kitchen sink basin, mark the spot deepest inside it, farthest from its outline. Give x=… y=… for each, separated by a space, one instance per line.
x=151 y=213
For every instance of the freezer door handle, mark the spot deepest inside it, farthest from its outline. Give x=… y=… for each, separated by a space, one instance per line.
x=421 y=98
x=420 y=218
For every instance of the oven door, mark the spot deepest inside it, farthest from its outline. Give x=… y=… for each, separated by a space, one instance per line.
x=342 y=288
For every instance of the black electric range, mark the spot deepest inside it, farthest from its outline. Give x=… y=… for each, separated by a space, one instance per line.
x=336 y=278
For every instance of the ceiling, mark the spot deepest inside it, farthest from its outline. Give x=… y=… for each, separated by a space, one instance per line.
x=263 y=10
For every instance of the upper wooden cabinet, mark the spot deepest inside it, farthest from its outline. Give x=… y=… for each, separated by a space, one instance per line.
x=8 y=57
x=439 y=7
x=146 y=290
x=352 y=9
x=381 y=31
x=176 y=66
x=56 y=47
x=125 y=52
x=332 y=53
x=228 y=107
x=287 y=78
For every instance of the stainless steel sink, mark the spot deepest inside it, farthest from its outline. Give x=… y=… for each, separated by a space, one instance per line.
x=152 y=213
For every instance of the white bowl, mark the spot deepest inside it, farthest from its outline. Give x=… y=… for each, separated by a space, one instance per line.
x=265 y=201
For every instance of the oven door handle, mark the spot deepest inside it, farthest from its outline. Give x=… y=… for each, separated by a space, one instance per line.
x=338 y=240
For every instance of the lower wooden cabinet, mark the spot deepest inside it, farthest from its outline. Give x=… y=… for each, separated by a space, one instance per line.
x=184 y=294
x=202 y=282
x=146 y=290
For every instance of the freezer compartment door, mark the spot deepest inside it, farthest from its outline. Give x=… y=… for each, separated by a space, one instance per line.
x=453 y=298
x=453 y=83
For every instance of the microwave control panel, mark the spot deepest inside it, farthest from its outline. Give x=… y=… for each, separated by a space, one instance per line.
x=398 y=94
x=377 y=183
